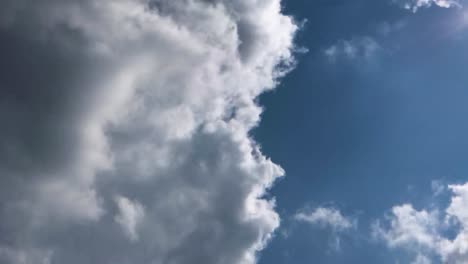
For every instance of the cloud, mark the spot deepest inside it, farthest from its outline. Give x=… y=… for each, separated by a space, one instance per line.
x=329 y=218
x=325 y=217
x=437 y=187
x=130 y=216
x=408 y=226
x=423 y=232
x=357 y=49
x=421 y=259
x=414 y=5
x=149 y=101
x=25 y=256
x=387 y=28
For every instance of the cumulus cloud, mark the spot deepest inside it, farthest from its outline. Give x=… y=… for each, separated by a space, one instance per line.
x=414 y=5
x=359 y=48
x=423 y=232
x=125 y=129
x=408 y=226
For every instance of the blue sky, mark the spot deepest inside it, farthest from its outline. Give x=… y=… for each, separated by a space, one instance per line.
x=368 y=131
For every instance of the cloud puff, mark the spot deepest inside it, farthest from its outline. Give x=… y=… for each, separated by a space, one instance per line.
x=414 y=5
x=149 y=101
x=361 y=49
x=423 y=231
x=329 y=218
x=408 y=226
x=326 y=217
x=437 y=187
x=130 y=216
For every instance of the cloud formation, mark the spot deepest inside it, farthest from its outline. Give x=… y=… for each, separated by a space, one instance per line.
x=125 y=129
x=424 y=232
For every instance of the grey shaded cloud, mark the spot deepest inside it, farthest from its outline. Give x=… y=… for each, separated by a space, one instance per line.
x=129 y=217
x=125 y=129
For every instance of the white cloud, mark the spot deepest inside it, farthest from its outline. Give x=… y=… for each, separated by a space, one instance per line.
x=131 y=214
x=326 y=217
x=149 y=99
x=361 y=49
x=330 y=218
x=414 y=5
x=423 y=231
x=408 y=227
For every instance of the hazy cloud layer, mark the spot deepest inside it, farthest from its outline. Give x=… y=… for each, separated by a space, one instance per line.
x=125 y=129
x=424 y=232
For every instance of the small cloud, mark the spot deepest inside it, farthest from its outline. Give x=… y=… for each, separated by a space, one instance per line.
x=437 y=187
x=326 y=217
x=361 y=48
x=130 y=216
x=330 y=218
x=414 y=5
x=407 y=226
x=387 y=28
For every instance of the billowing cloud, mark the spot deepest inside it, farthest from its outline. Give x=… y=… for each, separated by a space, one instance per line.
x=424 y=232
x=414 y=5
x=125 y=129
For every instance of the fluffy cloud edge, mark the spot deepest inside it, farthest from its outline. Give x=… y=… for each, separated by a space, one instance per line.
x=422 y=232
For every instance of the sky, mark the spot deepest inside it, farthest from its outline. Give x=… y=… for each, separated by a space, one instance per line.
x=233 y=131
x=372 y=118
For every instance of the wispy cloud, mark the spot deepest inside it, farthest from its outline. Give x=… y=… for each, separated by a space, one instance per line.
x=438 y=187
x=361 y=49
x=328 y=218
